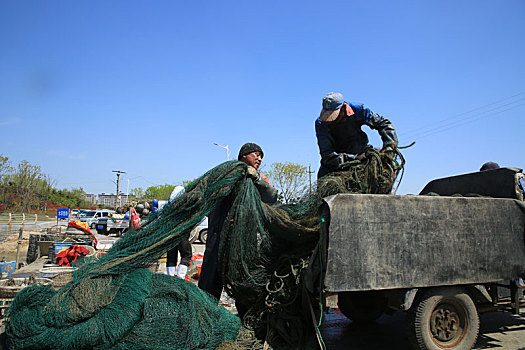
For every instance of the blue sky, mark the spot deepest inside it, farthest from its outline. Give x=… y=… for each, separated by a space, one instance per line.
x=147 y=87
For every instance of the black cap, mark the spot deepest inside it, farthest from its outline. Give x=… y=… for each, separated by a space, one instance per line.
x=248 y=148
x=489 y=166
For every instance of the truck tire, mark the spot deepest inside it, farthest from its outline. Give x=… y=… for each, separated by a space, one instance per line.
x=362 y=307
x=443 y=318
x=203 y=235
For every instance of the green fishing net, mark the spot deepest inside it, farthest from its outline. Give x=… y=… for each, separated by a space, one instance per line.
x=115 y=302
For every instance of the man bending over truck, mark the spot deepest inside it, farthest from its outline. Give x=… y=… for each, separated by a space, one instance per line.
x=339 y=134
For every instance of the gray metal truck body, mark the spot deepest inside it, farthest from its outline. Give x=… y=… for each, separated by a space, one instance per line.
x=443 y=257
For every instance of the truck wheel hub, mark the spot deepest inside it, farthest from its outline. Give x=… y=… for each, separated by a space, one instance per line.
x=448 y=324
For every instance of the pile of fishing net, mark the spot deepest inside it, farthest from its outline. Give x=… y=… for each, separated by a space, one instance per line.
x=116 y=302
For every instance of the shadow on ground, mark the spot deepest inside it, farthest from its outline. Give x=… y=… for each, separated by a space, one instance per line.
x=498 y=330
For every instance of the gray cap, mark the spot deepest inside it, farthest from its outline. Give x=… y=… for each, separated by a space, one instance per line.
x=333 y=101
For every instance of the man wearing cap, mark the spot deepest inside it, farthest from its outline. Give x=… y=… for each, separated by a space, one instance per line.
x=489 y=166
x=339 y=134
x=209 y=279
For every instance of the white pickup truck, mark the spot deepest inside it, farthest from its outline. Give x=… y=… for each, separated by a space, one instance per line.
x=115 y=223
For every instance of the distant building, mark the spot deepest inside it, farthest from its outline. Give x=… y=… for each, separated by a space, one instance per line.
x=90 y=198
x=124 y=199
x=109 y=200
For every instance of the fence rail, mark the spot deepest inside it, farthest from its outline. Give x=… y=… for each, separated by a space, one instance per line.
x=18 y=219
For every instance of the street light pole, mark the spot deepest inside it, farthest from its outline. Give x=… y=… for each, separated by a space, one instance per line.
x=127 y=192
x=226 y=148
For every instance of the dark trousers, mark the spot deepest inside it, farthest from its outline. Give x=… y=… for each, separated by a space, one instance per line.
x=209 y=279
x=184 y=248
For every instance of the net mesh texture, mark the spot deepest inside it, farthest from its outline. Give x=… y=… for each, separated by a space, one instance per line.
x=116 y=302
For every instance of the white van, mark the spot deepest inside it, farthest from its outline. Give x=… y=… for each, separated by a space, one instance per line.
x=92 y=216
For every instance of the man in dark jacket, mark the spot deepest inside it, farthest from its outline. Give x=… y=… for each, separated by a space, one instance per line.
x=339 y=134
x=209 y=279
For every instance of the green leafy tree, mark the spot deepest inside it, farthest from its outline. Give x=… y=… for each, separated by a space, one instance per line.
x=290 y=179
x=26 y=187
x=138 y=193
x=161 y=192
x=69 y=198
x=185 y=183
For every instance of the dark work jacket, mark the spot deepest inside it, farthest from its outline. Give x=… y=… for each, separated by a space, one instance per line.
x=209 y=279
x=342 y=140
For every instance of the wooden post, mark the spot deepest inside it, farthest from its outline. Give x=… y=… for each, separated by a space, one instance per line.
x=19 y=245
x=117 y=202
x=36 y=219
x=9 y=222
x=23 y=220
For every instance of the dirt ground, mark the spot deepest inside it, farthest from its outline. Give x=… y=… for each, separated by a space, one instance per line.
x=9 y=246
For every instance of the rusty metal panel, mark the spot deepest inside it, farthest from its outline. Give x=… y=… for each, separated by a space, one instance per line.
x=384 y=241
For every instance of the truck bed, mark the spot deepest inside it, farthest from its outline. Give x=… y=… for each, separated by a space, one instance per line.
x=387 y=242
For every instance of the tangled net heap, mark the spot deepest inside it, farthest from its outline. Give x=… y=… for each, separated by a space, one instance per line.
x=117 y=303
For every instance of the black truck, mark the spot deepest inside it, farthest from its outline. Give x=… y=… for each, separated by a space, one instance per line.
x=442 y=256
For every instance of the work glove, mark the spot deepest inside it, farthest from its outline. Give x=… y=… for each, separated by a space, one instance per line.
x=388 y=148
x=252 y=172
x=349 y=161
x=345 y=158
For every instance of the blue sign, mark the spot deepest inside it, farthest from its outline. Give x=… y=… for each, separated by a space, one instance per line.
x=62 y=213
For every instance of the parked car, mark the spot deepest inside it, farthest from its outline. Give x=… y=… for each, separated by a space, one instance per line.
x=82 y=212
x=92 y=216
x=200 y=231
x=75 y=213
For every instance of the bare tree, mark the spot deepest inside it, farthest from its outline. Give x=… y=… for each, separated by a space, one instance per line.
x=5 y=166
x=290 y=179
x=44 y=188
x=24 y=180
x=5 y=170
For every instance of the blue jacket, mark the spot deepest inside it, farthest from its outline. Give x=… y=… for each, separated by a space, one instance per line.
x=342 y=140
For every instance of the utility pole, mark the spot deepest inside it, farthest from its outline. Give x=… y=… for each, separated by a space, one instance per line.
x=118 y=184
x=310 y=172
